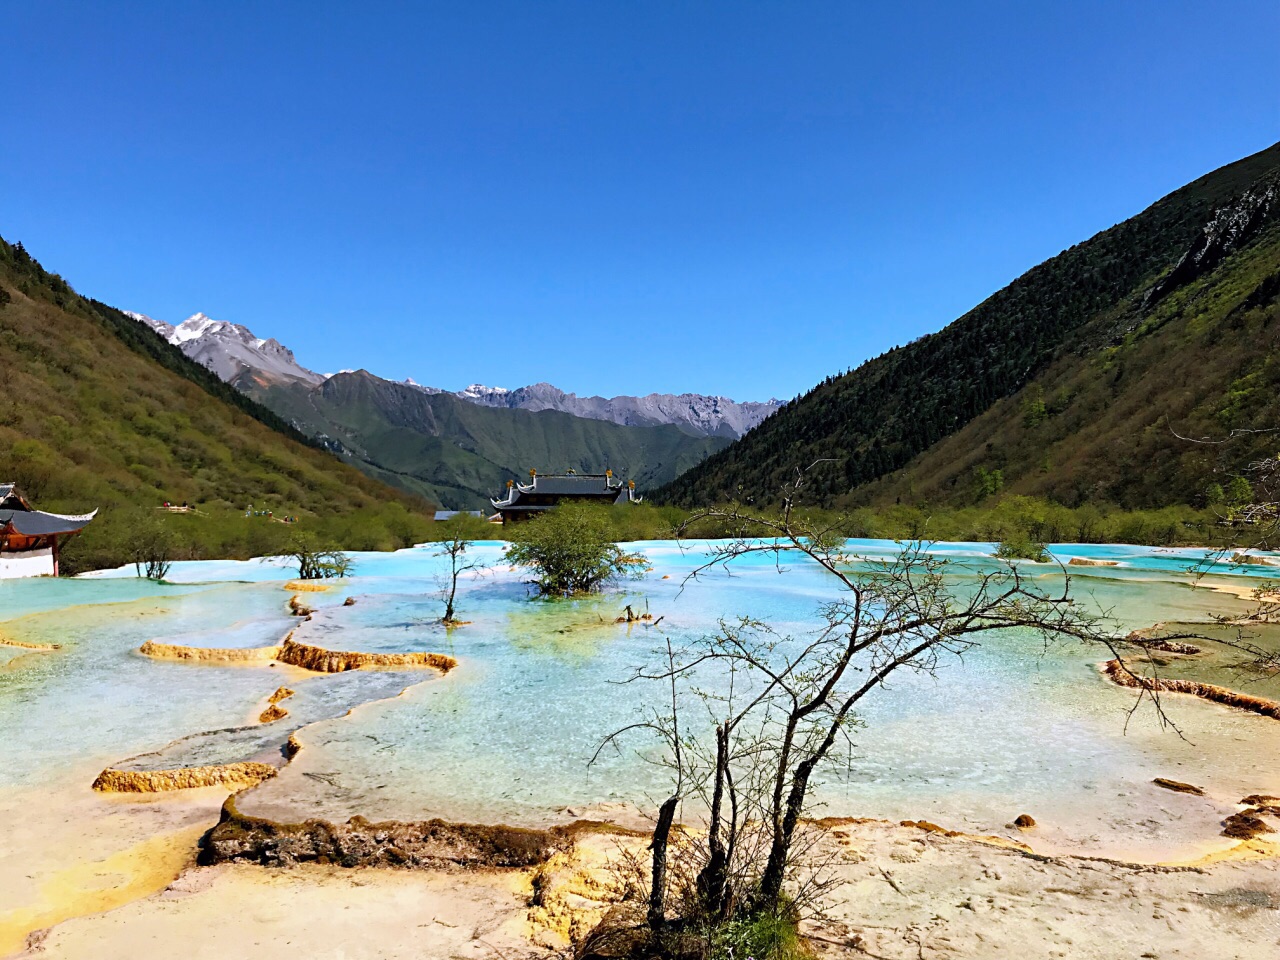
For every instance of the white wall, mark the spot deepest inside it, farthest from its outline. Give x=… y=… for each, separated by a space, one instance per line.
x=26 y=563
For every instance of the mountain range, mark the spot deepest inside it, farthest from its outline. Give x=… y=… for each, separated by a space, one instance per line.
x=236 y=355
x=97 y=412
x=459 y=448
x=1077 y=382
x=693 y=413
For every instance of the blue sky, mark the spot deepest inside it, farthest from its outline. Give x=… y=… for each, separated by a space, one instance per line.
x=735 y=198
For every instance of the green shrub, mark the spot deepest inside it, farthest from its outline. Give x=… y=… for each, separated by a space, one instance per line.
x=760 y=937
x=570 y=550
x=1022 y=547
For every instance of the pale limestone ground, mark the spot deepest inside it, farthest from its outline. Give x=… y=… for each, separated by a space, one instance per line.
x=904 y=894
x=66 y=851
x=320 y=913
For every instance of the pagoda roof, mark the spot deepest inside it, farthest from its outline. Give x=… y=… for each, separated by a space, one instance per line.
x=17 y=516
x=568 y=485
x=36 y=523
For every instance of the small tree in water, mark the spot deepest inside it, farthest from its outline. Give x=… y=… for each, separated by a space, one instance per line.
x=455 y=546
x=316 y=561
x=151 y=547
x=570 y=549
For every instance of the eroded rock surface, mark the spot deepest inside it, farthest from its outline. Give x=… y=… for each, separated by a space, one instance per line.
x=360 y=843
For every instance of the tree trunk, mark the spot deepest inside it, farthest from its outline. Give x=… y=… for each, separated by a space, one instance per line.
x=712 y=877
x=658 y=889
x=775 y=871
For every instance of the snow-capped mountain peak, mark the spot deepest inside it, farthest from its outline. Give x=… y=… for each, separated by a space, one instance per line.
x=478 y=391
x=195 y=327
x=229 y=349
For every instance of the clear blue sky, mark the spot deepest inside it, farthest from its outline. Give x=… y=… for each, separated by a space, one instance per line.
x=734 y=198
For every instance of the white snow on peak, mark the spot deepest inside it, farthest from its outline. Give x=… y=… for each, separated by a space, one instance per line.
x=480 y=390
x=195 y=327
x=229 y=349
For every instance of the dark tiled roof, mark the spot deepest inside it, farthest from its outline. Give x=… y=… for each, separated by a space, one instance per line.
x=584 y=484
x=33 y=523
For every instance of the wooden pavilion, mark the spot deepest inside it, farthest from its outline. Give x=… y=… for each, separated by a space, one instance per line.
x=30 y=538
x=545 y=491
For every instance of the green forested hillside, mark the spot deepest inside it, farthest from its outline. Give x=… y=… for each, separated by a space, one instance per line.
x=1108 y=425
x=96 y=411
x=1165 y=315
x=461 y=453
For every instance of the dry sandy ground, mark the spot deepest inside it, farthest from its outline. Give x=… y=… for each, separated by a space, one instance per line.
x=314 y=912
x=66 y=851
x=903 y=893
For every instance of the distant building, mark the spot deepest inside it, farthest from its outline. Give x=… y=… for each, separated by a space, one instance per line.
x=523 y=500
x=29 y=538
x=450 y=514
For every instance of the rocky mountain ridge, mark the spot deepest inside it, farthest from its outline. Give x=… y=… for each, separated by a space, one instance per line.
x=695 y=413
x=230 y=350
x=236 y=355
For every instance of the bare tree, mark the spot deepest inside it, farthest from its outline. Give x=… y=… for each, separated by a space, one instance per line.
x=455 y=547
x=779 y=705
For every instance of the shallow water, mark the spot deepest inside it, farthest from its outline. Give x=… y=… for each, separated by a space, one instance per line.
x=1014 y=728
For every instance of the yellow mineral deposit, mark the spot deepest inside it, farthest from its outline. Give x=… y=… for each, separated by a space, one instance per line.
x=236 y=776
x=1120 y=674
x=315 y=659
x=97 y=886
x=273 y=713
x=171 y=651
x=339 y=661
x=23 y=645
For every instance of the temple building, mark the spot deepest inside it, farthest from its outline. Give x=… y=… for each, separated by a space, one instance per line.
x=523 y=500
x=30 y=539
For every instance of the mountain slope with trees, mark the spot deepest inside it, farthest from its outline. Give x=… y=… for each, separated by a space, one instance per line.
x=98 y=411
x=1172 y=270
x=461 y=453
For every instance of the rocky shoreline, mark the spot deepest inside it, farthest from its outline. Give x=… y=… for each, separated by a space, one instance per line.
x=242 y=838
